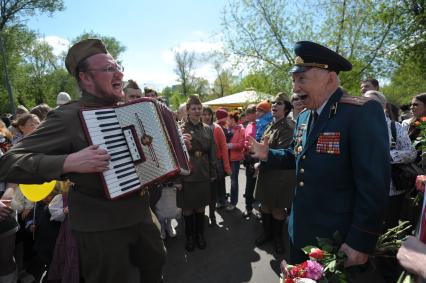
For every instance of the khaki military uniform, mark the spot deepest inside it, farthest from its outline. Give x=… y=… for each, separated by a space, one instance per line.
x=106 y=231
x=196 y=187
x=274 y=188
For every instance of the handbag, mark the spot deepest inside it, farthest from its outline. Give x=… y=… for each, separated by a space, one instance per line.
x=403 y=174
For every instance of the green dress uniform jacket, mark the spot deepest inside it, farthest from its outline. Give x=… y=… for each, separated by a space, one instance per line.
x=342 y=173
x=274 y=188
x=196 y=187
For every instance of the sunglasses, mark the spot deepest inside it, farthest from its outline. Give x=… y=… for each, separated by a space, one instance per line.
x=278 y=102
x=414 y=104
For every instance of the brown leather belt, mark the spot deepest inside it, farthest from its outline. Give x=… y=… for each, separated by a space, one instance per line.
x=198 y=153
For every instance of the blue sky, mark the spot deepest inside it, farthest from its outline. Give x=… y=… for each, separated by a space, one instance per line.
x=150 y=30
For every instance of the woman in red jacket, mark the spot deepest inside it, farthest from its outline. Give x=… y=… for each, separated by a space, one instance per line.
x=235 y=146
x=222 y=164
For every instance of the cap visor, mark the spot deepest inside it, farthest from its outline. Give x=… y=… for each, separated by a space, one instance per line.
x=299 y=69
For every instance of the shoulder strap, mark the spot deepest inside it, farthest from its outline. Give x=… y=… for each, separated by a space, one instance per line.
x=393 y=132
x=355 y=100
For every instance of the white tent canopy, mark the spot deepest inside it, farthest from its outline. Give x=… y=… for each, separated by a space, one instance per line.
x=238 y=99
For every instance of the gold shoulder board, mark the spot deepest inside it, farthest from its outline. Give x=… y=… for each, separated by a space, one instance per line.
x=355 y=100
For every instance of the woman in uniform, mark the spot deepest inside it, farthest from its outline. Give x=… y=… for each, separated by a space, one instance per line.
x=274 y=188
x=195 y=192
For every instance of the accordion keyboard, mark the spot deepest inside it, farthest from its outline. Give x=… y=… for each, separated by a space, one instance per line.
x=105 y=131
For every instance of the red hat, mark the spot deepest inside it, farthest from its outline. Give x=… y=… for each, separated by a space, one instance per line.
x=221 y=113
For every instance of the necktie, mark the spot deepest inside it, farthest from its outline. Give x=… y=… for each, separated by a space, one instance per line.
x=313 y=119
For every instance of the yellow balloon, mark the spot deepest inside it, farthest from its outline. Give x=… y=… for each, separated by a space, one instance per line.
x=37 y=192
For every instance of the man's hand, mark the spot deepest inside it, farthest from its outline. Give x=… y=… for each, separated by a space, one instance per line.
x=259 y=150
x=91 y=159
x=187 y=139
x=354 y=257
x=412 y=256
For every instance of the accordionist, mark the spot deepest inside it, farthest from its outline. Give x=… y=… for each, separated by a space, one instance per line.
x=106 y=231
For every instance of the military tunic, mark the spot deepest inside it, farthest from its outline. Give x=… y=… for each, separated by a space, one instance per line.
x=342 y=174
x=274 y=188
x=195 y=192
x=40 y=157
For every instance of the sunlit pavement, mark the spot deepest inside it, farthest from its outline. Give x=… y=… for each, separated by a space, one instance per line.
x=231 y=255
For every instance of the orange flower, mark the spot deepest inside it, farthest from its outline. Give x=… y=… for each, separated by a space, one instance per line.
x=417 y=123
x=423 y=119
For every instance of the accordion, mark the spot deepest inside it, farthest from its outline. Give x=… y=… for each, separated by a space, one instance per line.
x=144 y=142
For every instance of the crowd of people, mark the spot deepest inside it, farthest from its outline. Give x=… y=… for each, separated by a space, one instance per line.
x=317 y=159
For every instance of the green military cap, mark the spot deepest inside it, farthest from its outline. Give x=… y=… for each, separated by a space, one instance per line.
x=310 y=54
x=82 y=50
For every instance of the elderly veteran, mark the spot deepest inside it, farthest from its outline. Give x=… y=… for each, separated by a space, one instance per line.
x=118 y=241
x=341 y=155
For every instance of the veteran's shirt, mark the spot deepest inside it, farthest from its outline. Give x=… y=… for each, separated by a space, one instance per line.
x=40 y=157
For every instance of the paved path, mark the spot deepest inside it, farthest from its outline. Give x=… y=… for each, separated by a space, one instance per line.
x=230 y=256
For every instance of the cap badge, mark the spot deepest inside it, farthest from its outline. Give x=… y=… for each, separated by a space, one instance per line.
x=298 y=60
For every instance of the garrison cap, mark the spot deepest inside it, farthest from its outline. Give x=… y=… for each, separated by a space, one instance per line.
x=82 y=50
x=310 y=54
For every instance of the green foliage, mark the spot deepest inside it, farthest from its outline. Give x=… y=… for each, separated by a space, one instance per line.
x=407 y=81
x=14 y=10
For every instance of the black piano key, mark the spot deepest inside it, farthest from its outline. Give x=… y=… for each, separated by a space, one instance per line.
x=120 y=157
x=124 y=169
x=122 y=164
x=128 y=181
x=110 y=129
x=113 y=136
x=125 y=175
x=104 y=112
x=119 y=152
x=130 y=186
x=105 y=117
x=115 y=146
x=108 y=124
x=114 y=141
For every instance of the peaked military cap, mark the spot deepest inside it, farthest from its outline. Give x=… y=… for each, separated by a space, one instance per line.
x=310 y=54
x=82 y=50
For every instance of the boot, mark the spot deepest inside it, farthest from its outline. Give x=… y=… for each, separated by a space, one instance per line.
x=277 y=228
x=189 y=232
x=266 y=235
x=199 y=224
x=212 y=217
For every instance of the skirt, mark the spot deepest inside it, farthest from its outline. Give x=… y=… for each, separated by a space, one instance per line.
x=193 y=195
x=275 y=188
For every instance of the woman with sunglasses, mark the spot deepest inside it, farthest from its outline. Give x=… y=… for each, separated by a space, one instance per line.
x=418 y=109
x=298 y=106
x=274 y=188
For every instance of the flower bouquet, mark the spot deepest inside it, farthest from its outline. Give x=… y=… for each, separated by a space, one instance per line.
x=325 y=264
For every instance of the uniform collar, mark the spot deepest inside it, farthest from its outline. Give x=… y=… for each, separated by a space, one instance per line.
x=89 y=100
